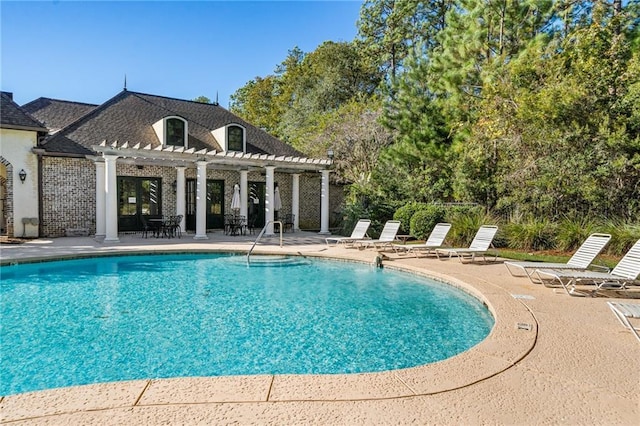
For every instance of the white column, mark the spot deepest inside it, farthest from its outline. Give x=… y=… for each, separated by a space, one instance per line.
x=295 y=200
x=244 y=195
x=111 y=199
x=201 y=201
x=181 y=208
x=100 y=198
x=324 y=203
x=268 y=203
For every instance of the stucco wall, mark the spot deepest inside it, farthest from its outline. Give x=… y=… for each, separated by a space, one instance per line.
x=22 y=197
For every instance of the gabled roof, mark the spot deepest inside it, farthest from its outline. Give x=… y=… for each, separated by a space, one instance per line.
x=129 y=116
x=56 y=114
x=12 y=116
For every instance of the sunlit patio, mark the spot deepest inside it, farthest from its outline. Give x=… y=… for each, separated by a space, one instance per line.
x=550 y=359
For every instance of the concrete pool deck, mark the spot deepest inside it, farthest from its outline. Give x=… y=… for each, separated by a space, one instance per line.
x=550 y=359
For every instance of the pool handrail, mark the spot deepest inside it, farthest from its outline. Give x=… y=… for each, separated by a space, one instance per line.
x=260 y=236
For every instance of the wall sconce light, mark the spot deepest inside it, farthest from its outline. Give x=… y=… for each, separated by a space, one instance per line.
x=330 y=154
x=23 y=175
x=174 y=185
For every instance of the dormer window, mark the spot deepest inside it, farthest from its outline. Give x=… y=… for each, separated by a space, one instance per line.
x=172 y=131
x=235 y=138
x=175 y=133
x=232 y=137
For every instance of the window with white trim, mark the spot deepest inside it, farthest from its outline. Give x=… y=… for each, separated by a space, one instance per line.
x=235 y=138
x=175 y=132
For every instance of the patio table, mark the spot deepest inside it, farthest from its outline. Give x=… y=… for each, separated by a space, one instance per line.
x=159 y=227
x=237 y=225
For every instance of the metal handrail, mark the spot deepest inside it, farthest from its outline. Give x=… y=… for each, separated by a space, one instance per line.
x=261 y=234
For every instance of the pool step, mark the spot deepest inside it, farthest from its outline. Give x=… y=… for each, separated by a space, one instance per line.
x=275 y=261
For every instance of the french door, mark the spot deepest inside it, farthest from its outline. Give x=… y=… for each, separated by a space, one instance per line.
x=137 y=196
x=214 y=207
x=255 y=208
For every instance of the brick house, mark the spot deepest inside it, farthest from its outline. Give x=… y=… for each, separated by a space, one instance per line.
x=102 y=169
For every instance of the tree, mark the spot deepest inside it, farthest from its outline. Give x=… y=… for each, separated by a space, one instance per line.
x=562 y=126
x=329 y=77
x=392 y=30
x=202 y=99
x=480 y=37
x=420 y=155
x=291 y=103
x=356 y=136
x=257 y=102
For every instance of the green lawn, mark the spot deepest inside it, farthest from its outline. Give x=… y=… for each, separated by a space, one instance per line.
x=555 y=257
x=608 y=261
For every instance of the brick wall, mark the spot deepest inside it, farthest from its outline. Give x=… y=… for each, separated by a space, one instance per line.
x=68 y=195
x=68 y=198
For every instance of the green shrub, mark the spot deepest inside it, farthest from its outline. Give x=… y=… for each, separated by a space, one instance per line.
x=368 y=207
x=464 y=210
x=404 y=214
x=423 y=221
x=572 y=232
x=623 y=237
x=465 y=223
x=533 y=234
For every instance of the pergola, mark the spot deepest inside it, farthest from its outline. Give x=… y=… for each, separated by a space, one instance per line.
x=181 y=159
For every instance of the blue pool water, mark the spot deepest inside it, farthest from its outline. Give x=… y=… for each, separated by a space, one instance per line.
x=132 y=317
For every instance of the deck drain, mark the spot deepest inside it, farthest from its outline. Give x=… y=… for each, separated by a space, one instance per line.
x=523 y=326
x=522 y=296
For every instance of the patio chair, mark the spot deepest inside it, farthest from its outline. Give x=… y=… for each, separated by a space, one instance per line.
x=581 y=259
x=168 y=226
x=479 y=246
x=288 y=222
x=238 y=225
x=625 y=312
x=146 y=227
x=387 y=236
x=251 y=224
x=228 y=223
x=435 y=240
x=359 y=233
x=626 y=272
x=176 y=230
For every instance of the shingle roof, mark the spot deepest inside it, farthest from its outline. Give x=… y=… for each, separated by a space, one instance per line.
x=12 y=116
x=129 y=116
x=56 y=114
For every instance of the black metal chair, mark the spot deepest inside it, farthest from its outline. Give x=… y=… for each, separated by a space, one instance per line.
x=167 y=226
x=228 y=223
x=237 y=225
x=145 y=227
x=287 y=221
x=172 y=226
x=251 y=224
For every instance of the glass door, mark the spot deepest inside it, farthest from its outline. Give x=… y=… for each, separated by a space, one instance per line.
x=214 y=208
x=215 y=204
x=137 y=197
x=255 y=208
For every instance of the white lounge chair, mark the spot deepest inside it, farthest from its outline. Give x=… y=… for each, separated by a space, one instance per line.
x=479 y=246
x=387 y=236
x=626 y=272
x=435 y=240
x=581 y=259
x=359 y=233
x=624 y=312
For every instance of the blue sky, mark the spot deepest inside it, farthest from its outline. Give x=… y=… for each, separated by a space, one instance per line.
x=81 y=51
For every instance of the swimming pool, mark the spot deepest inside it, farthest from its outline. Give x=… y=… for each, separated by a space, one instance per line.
x=154 y=316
